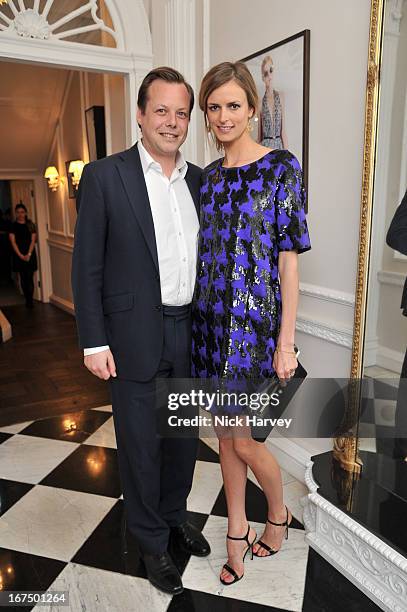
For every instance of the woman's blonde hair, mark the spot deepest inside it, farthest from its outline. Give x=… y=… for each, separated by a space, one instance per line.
x=220 y=75
x=267 y=60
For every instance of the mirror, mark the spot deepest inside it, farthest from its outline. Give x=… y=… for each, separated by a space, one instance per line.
x=380 y=335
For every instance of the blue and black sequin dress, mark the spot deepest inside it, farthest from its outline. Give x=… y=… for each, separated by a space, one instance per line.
x=249 y=214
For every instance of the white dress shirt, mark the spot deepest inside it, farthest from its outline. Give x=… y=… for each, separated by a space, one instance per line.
x=176 y=228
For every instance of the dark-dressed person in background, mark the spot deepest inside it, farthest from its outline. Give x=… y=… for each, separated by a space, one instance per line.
x=23 y=236
x=133 y=277
x=397 y=240
x=252 y=228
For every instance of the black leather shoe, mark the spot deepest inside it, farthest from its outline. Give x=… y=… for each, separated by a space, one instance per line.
x=162 y=573
x=190 y=540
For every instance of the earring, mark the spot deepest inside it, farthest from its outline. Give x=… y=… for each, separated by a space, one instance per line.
x=250 y=125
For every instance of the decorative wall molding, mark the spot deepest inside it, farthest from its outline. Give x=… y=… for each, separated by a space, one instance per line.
x=130 y=29
x=323 y=331
x=62 y=246
x=363 y=558
x=180 y=23
x=389 y=359
x=391 y=278
x=63 y=304
x=292 y=457
x=328 y=295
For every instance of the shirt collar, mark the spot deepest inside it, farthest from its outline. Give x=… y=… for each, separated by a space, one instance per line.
x=148 y=162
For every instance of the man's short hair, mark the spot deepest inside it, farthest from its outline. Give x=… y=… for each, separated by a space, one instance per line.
x=169 y=75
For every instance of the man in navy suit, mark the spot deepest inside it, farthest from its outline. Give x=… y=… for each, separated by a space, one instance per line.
x=133 y=278
x=397 y=240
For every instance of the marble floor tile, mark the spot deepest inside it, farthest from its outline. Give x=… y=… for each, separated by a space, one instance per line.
x=11 y=492
x=52 y=522
x=385 y=412
x=205 y=487
x=13 y=429
x=213 y=443
x=107 y=408
x=4 y=437
x=95 y=468
x=71 y=427
x=206 y=453
x=276 y=581
x=197 y=601
x=256 y=505
x=104 y=436
x=29 y=459
x=22 y=572
x=95 y=590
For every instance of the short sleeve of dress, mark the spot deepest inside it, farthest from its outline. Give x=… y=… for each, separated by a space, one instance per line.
x=292 y=229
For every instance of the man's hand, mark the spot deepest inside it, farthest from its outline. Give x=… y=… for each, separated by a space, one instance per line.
x=101 y=364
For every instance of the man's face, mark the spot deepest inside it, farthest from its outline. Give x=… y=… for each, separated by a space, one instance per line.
x=164 y=123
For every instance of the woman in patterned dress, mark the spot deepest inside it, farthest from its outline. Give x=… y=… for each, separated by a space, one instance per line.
x=272 y=129
x=252 y=228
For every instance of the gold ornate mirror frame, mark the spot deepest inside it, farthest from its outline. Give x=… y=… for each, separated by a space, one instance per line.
x=345 y=447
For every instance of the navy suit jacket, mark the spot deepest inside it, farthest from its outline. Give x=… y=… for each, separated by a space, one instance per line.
x=115 y=273
x=397 y=240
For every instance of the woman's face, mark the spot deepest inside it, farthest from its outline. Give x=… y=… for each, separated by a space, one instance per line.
x=20 y=215
x=228 y=112
x=267 y=74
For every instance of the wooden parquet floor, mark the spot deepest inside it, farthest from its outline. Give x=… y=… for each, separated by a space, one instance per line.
x=41 y=367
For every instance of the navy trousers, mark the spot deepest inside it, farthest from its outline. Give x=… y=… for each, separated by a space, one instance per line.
x=156 y=473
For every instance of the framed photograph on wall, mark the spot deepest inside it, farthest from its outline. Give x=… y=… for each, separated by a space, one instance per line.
x=281 y=73
x=71 y=188
x=96 y=132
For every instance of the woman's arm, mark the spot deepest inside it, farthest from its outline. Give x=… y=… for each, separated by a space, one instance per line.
x=15 y=247
x=32 y=244
x=284 y=360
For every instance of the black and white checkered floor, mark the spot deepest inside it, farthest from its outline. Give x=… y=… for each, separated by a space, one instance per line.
x=60 y=527
x=377 y=426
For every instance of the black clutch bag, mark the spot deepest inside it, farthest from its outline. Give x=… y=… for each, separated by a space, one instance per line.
x=270 y=412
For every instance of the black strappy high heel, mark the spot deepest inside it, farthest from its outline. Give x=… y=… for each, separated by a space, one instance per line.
x=266 y=546
x=227 y=567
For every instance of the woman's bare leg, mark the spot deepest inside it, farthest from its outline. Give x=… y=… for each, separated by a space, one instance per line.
x=268 y=474
x=234 y=472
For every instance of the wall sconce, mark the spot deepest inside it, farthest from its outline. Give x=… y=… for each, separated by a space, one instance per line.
x=53 y=178
x=75 y=170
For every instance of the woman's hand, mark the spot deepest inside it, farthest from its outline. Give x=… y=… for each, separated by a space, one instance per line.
x=285 y=364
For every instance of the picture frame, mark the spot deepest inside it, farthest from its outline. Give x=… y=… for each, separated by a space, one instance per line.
x=96 y=132
x=284 y=69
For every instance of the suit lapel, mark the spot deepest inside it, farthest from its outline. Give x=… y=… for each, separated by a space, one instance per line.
x=193 y=187
x=131 y=172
